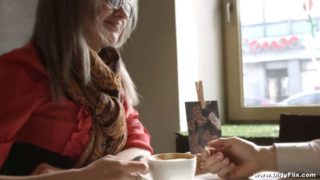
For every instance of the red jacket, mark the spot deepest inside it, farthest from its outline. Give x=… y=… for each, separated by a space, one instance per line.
x=28 y=115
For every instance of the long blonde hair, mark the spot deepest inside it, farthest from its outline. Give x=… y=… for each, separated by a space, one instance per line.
x=59 y=36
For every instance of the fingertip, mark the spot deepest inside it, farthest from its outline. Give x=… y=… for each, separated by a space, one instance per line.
x=219 y=155
x=137 y=166
x=232 y=165
x=111 y=157
x=205 y=153
x=215 y=142
x=227 y=171
x=145 y=168
x=142 y=164
x=212 y=150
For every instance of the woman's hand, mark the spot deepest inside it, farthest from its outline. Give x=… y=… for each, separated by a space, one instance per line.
x=200 y=169
x=237 y=158
x=111 y=167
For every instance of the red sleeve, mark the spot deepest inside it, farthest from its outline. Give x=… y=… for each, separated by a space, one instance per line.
x=138 y=135
x=18 y=91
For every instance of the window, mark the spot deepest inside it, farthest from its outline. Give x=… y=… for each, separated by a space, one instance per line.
x=272 y=58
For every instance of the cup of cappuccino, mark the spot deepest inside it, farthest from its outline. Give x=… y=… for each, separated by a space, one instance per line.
x=172 y=166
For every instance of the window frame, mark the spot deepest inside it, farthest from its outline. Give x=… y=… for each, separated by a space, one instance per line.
x=232 y=54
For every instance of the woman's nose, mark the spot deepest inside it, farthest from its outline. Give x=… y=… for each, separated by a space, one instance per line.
x=121 y=13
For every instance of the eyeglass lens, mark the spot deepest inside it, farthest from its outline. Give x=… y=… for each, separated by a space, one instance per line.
x=116 y=4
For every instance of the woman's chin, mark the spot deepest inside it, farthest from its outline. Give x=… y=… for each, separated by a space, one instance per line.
x=112 y=39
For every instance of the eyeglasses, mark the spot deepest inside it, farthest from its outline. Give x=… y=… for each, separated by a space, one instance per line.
x=117 y=4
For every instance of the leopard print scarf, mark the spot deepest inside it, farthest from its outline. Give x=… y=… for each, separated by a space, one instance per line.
x=108 y=134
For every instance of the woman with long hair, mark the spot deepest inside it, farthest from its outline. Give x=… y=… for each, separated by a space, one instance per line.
x=67 y=100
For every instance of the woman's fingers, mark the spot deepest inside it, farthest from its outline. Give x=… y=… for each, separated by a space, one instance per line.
x=216 y=143
x=201 y=169
x=112 y=157
x=213 y=159
x=225 y=172
x=217 y=164
x=204 y=155
x=116 y=168
x=134 y=166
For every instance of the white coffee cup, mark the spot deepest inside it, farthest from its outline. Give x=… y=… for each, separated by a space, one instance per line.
x=172 y=166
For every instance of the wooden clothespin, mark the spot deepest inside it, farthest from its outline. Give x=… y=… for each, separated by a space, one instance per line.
x=199 y=88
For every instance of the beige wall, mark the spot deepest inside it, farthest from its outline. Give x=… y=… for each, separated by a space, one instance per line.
x=152 y=61
x=16 y=22
x=210 y=64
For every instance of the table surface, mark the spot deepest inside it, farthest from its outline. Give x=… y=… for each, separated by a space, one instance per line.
x=210 y=176
x=207 y=176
